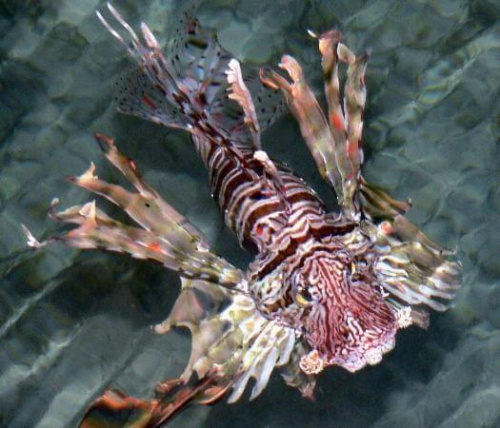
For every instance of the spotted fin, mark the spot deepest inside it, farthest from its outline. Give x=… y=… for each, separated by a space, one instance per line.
x=269 y=106
x=186 y=87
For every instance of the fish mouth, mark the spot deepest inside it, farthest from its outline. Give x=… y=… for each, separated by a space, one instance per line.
x=351 y=360
x=312 y=363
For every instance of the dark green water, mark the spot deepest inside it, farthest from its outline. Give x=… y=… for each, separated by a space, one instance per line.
x=74 y=323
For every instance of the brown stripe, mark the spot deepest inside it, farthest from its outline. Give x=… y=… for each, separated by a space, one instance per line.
x=226 y=168
x=230 y=187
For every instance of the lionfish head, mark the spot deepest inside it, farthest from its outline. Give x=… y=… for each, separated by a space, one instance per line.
x=345 y=318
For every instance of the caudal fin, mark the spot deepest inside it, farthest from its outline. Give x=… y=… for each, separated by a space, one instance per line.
x=186 y=87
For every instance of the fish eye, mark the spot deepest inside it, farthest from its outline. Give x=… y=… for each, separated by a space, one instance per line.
x=354 y=269
x=306 y=296
x=356 y=275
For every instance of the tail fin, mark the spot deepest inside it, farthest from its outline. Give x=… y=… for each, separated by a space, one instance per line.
x=187 y=88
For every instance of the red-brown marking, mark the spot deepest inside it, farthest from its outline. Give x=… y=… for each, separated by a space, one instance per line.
x=337 y=121
x=352 y=149
x=155 y=247
x=149 y=102
x=132 y=164
x=259 y=229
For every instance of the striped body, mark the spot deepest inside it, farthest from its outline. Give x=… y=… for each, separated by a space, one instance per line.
x=251 y=205
x=345 y=281
x=324 y=288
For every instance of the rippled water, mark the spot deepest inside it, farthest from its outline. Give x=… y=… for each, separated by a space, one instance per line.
x=73 y=323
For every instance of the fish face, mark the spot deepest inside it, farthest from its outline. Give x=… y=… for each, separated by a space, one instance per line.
x=346 y=320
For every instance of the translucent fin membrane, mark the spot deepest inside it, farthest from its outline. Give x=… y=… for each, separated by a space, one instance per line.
x=197 y=55
x=231 y=344
x=229 y=333
x=335 y=143
x=137 y=96
x=188 y=85
x=165 y=235
x=198 y=59
x=269 y=106
x=412 y=269
x=154 y=93
x=147 y=52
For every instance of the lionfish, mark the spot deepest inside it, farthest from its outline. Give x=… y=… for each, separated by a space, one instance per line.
x=325 y=288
